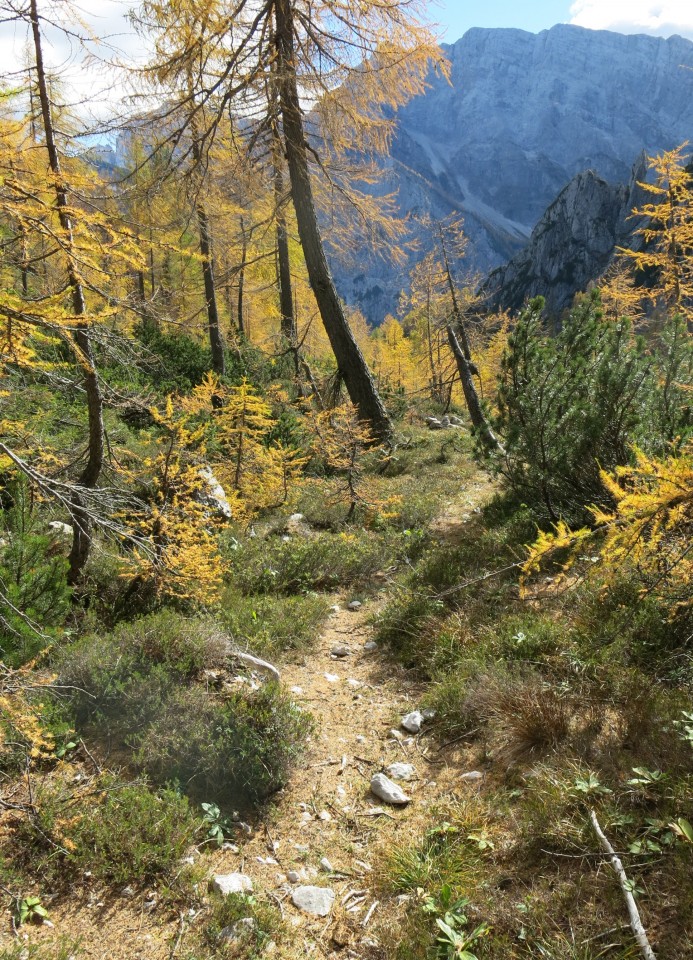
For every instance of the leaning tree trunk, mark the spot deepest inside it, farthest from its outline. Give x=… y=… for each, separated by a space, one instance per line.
x=463 y=359
x=81 y=525
x=350 y=361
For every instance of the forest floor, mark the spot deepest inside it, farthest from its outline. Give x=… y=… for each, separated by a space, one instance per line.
x=325 y=812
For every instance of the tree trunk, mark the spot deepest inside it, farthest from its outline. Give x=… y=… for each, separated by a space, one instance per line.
x=241 y=282
x=350 y=361
x=89 y=478
x=216 y=342
x=286 y=299
x=464 y=362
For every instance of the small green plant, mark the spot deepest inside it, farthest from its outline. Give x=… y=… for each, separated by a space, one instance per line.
x=218 y=826
x=685 y=726
x=31 y=910
x=590 y=786
x=453 y=940
x=647 y=778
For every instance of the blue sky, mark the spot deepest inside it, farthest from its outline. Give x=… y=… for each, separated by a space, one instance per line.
x=457 y=16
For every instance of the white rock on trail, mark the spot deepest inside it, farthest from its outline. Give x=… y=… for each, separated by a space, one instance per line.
x=370 y=646
x=413 y=722
x=386 y=790
x=326 y=865
x=472 y=777
x=314 y=900
x=400 y=771
x=341 y=650
x=354 y=605
x=293 y=876
x=228 y=883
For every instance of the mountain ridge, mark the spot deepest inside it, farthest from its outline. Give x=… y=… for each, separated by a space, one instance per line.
x=523 y=114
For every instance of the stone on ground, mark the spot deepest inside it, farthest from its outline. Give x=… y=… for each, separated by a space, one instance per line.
x=385 y=789
x=228 y=883
x=401 y=771
x=413 y=722
x=314 y=900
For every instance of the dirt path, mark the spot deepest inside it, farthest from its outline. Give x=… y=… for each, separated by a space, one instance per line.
x=328 y=811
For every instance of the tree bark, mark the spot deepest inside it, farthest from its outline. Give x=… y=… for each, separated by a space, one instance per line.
x=89 y=478
x=350 y=361
x=463 y=359
x=286 y=299
x=240 y=309
x=216 y=341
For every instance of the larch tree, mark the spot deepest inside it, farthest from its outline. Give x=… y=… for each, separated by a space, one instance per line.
x=77 y=254
x=339 y=67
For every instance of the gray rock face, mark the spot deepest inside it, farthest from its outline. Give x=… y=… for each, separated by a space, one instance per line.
x=524 y=114
x=314 y=900
x=572 y=244
x=384 y=789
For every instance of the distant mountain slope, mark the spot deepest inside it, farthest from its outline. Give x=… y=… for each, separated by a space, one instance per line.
x=523 y=115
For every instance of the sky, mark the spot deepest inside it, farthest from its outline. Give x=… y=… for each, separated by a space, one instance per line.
x=107 y=19
x=659 y=17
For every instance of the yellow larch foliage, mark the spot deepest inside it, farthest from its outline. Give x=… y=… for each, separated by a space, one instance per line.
x=650 y=529
x=177 y=551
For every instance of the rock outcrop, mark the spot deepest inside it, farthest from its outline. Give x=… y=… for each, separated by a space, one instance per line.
x=572 y=244
x=522 y=116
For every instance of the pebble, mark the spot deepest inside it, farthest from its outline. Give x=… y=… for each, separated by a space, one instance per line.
x=428 y=714
x=396 y=735
x=314 y=900
x=326 y=865
x=354 y=605
x=361 y=739
x=227 y=883
x=331 y=678
x=413 y=722
x=293 y=876
x=335 y=608
x=386 y=790
x=472 y=777
x=401 y=771
x=340 y=651
x=324 y=816
x=297 y=690
x=370 y=647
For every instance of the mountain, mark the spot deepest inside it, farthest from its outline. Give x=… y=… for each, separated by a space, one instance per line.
x=522 y=116
x=572 y=243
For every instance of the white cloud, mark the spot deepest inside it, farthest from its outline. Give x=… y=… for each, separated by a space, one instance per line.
x=83 y=49
x=662 y=18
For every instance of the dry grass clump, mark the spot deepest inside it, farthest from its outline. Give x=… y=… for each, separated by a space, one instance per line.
x=525 y=716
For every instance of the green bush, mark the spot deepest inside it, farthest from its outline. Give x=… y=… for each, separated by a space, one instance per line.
x=269 y=625
x=569 y=406
x=233 y=750
x=138 y=686
x=138 y=664
x=34 y=595
x=120 y=832
x=226 y=914
x=321 y=562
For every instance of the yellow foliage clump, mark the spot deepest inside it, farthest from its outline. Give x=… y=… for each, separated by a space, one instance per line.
x=650 y=528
